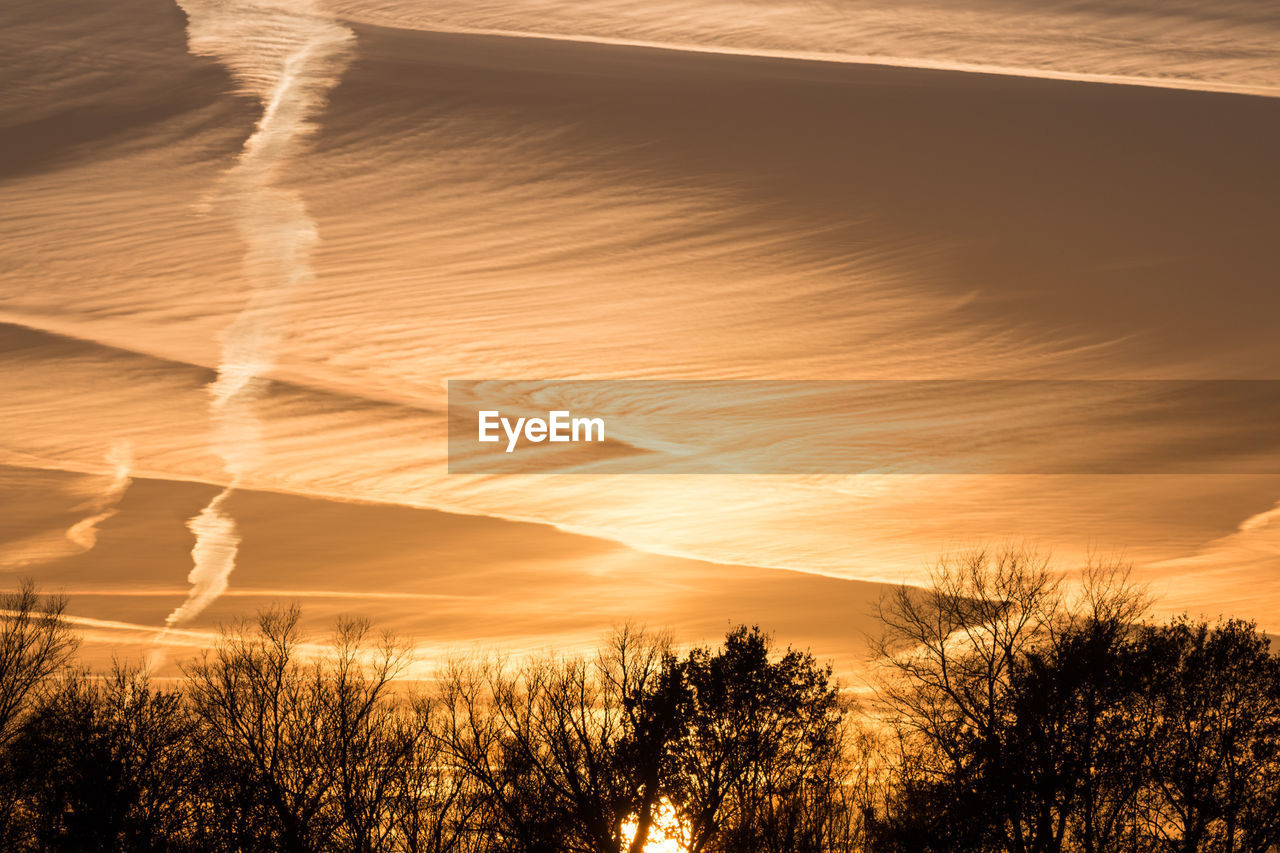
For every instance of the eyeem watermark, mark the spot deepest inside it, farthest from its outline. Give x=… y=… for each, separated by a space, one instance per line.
x=558 y=426
x=649 y=426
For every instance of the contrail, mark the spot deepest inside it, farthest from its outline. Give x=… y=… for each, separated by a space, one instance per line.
x=289 y=55
x=84 y=533
x=100 y=504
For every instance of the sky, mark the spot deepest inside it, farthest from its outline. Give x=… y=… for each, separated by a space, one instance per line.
x=248 y=243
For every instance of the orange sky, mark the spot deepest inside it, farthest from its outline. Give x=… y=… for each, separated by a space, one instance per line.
x=329 y=211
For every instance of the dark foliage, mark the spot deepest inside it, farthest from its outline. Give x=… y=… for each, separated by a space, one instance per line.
x=1012 y=716
x=1032 y=722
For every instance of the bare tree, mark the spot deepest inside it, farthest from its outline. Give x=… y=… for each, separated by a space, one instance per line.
x=744 y=745
x=35 y=643
x=261 y=716
x=106 y=763
x=568 y=751
x=437 y=809
x=1017 y=714
x=318 y=742
x=1092 y=730
x=951 y=647
x=1009 y=705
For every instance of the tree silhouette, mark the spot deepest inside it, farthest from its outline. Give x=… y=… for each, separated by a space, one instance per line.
x=107 y=764
x=1016 y=714
x=567 y=750
x=757 y=767
x=309 y=750
x=1215 y=749
x=1027 y=720
x=35 y=643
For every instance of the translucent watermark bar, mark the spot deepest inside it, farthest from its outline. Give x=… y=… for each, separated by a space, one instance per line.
x=864 y=427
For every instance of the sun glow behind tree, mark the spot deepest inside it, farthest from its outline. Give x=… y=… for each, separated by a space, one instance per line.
x=666 y=835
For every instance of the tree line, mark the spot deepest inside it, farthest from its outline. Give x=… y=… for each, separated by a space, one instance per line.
x=1006 y=711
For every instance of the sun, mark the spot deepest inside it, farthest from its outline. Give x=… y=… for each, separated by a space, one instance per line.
x=665 y=836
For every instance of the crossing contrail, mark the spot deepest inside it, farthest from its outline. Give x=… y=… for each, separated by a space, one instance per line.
x=289 y=54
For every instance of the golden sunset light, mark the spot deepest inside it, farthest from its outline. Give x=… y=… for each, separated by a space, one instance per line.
x=550 y=426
